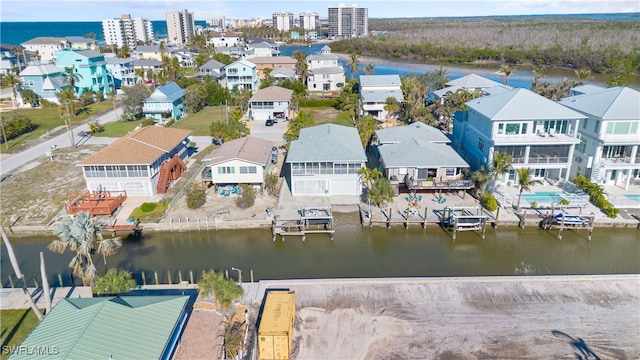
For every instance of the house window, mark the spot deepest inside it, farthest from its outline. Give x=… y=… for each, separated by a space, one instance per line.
x=226 y=170
x=422 y=173
x=584 y=124
x=513 y=129
x=596 y=128
x=248 y=170
x=450 y=172
x=481 y=145
x=501 y=129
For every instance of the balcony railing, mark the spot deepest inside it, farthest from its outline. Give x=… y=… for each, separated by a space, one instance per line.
x=617 y=160
x=548 y=160
x=439 y=184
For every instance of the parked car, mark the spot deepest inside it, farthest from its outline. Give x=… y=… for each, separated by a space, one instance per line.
x=269 y=122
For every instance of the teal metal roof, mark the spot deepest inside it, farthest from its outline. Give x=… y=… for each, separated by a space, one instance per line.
x=521 y=104
x=327 y=142
x=617 y=103
x=167 y=93
x=128 y=327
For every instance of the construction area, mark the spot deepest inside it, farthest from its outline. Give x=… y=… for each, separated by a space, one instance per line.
x=538 y=317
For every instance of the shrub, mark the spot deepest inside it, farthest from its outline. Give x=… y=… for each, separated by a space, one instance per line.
x=147 y=207
x=247 y=198
x=318 y=103
x=564 y=202
x=196 y=196
x=489 y=202
x=534 y=204
x=114 y=282
x=170 y=123
x=16 y=124
x=596 y=196
x=48 y=104
x=147 y=122
x=271 y=184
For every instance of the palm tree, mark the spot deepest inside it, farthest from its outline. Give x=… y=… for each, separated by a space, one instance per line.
x=525 y=182
x=18 y=50
x=174 y=68
x=537 y=74
x=506 y=70
x=391 y=106
x=583 y=75
x=19 y=275
x=501 y=164
x=224 y=290
x=13 y=81
x=301 y=64
x=369 y=176
x=368 y=69
x=83 y=235
x=354 y=61
x=71 y=77
x=481 y=177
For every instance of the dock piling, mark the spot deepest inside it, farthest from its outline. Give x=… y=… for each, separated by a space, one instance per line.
x=144 y=279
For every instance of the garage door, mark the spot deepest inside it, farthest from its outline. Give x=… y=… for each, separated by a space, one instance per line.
x=310 y=187
x=136 y=189
x=344 y=187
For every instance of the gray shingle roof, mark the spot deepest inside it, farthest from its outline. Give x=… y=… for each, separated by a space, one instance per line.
x=44 y=40
x=327 y=142
x=249 y=148
x=272 y=93
x=145 y=62
x=380 y=80
x=322 y=57
x=212 y=64
x=617 y=103
x=416 y=130
x=521 y=104
x=283 y=73
x=415 y=153
x=381 y=95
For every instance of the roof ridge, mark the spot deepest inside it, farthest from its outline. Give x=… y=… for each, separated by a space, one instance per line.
x=100 y=306
x=144 y=143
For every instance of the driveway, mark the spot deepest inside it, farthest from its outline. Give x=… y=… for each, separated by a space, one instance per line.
x=272 y=133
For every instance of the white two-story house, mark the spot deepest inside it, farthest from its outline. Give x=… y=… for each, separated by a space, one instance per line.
x=324 y=73
x=538 y=133
x=608 y=152
x=374 y=91
x=272 y=102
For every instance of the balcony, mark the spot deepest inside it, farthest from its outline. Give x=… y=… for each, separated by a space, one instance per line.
x=439 y=184
x=548 y=160
x=618 y=160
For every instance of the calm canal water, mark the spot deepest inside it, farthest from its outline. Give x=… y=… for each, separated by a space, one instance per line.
x=357 y=252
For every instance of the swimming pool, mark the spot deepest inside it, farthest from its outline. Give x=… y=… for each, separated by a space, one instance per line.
x=634 y=197
x=543 y=197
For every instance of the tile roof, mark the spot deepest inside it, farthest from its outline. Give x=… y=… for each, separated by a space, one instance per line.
x=272 y=93
x=327 y=142
x=248 y=148
x=127 y=327
x=617 y=103
x=521 y=104
x=141 y=147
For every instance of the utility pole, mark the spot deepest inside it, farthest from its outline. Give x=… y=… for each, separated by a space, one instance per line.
x=226 y=110
x=4 y=134
x=67 y=122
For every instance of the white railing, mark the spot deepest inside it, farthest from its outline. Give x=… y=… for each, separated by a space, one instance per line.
x=622 y=202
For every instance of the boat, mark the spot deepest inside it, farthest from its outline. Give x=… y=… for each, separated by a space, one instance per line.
x=571 y=219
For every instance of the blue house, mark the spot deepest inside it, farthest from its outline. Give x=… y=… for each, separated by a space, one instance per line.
x=165 y=103
x=89 y=65
x=45 y=80
x=243 y=74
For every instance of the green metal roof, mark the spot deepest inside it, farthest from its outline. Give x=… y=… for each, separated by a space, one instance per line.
x=128 y=327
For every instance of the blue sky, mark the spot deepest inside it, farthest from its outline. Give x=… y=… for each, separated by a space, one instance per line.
x=95 y=10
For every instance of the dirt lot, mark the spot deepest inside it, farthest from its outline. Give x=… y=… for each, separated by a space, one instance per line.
x=456 y=318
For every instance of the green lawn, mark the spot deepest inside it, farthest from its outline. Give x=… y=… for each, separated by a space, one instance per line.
x=200 y=122
x=16 y=325
x=48 y=119
x=328 y=115
x=118 y=128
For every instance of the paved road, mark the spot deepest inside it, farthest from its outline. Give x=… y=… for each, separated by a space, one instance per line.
x=11 y=162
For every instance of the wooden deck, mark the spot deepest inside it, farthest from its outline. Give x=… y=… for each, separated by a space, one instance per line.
x=97 y=203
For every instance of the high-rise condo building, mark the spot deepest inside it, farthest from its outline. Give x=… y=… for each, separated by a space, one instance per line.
x=283 y=20
x=125 y=30
x=348 y=21
x=180 y=26
x=309 y=20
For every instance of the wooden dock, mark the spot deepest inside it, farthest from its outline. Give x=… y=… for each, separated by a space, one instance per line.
x=317 y=220
x=559 y=219
x=134 y=228
x=391 y=217
x=458 y=219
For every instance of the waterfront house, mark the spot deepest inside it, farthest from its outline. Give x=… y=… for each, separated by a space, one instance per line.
x=323 y=72
x=233 y=51
x=151 y=52
x=121 y=72
x=374 y=91
x=538 y=133
x=273 y=102
x=82 y=43
x=90 y=66
x=608 y=152
x=225 y=38
x=44 y=48
x=332 y=167
x=71 y=329
x=258 y=47
x=242 y=74
x=419 y=157
x=273 y=63
x=166 y=102
x=215 y=69
x=471 y=83
x=241 y=161
x=282 y=74
x=44 y=80
x=9 y=59
x=143 y=163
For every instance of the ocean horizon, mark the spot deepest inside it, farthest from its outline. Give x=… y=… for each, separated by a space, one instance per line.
x=17 y=32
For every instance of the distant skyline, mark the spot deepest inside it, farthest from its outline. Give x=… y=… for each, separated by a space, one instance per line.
x=97 y=10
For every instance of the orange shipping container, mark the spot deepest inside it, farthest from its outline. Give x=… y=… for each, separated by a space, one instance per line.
x=275 y=332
